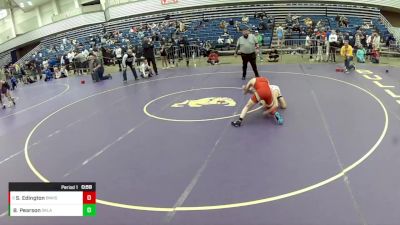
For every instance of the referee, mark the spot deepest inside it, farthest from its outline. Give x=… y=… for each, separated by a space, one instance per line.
x=247 y=45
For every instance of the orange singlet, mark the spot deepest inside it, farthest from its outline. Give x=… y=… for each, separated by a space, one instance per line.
x=263 y=90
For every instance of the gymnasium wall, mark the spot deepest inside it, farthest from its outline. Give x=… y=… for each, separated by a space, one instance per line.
x=124 y=8
x=41 y=21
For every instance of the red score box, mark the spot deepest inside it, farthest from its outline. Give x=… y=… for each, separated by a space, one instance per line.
x=89 y=197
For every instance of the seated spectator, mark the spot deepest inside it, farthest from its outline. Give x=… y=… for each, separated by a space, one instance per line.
x=344 y=22
x=59 y=73
x=213 y=58
x=145 y=70
x=390 y=40
x=229 y=41
x=361 y=52
x=222 y=24
x=273 y=55
x=237 y=26
x=245 y=19
x=308 y=22
x=231 y=22
x=220 y=40
x=375 y=56
x=48 y=75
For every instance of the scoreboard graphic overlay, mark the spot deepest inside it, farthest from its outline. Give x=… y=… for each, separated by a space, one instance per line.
x=52 y=199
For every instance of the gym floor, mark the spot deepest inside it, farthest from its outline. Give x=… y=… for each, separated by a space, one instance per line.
x=161 y=154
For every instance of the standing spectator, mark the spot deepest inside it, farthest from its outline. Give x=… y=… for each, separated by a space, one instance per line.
x=118 y=56
x=148 y=53
x=5 y=90
x=247 y=45
x=184 y=48
x=163 y=54
x=259 y=42
x=333 y=45
x=337 y=19
x=376 y=41
x=279 y=33
x=129 y=60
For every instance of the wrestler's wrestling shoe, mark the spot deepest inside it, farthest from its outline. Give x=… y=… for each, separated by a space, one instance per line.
x=236 y=123
x=278 y=118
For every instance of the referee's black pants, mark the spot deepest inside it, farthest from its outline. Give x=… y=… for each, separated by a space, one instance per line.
x=252 y=59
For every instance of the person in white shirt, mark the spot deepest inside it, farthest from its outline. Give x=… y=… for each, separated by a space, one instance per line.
x=85 y=53
x=229 y=40
x=45 y=64
x=129 y=59
x=118 y=56
x=333 y=45
x=220 y=40
x=376 y=41
x=70 y=57
x=145 y=70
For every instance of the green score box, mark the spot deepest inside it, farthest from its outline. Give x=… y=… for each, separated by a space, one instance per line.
x=89 y=210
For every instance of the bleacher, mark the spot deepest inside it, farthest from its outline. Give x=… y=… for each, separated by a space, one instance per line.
x=357 y=15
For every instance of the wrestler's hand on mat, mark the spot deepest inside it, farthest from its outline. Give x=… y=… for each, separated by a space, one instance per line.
x=244 y=90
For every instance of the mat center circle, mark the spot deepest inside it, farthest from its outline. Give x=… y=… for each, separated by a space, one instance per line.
x=197 y=105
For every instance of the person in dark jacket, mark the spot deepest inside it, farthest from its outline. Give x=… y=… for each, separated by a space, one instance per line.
x=184 y=48
x=148 y=53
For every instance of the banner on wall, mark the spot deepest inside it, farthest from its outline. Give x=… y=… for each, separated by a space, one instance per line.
x=166 y=2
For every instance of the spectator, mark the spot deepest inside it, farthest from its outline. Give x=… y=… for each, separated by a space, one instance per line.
x=259 y=41
x=148 y=53
x=213 y=58
x=118 y=56
x=145 y=70
x=347 y=53
x=237 y=26
x=59 y=73
x=333 y=45
x=80 y=60
x=376 y=41
x=163 y=54
x=184 y=49
x=375 y=56
x=279 y=33
x=245 y=19
x=220 y=40
x=129 y=59
x=48 y=75
x=273 y=55
x=97 y=69
x=231 y=22
x=229 y=40
x=361 y=52
x=337 y=19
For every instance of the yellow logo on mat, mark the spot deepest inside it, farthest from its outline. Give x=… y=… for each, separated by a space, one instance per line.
x=206 y=101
